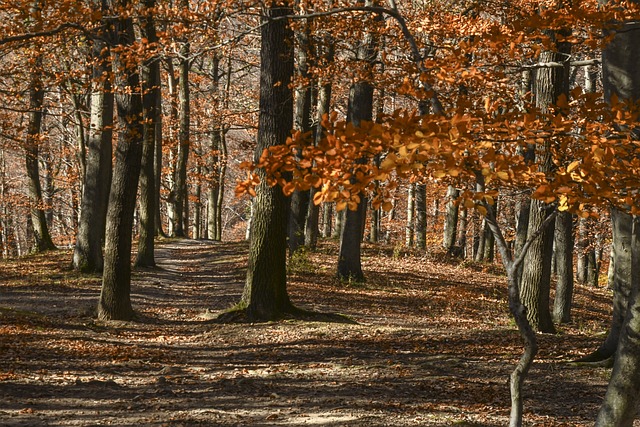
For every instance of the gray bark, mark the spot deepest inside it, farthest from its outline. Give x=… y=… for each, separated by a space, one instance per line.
x=151 y=100
x=115 y=295
x=564 y=263
x=265 y=294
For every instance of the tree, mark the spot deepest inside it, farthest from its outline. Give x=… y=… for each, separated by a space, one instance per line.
x=115 y=296
x=265 y=292
x=299 y=203
x=42 y=238
x=180 y=196
x=564 y=259
x=87 y=254
x=152 y=112
x=549 y=85
x=360 y=109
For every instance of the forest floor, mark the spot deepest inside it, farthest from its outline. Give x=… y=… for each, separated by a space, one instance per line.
x=433 y=346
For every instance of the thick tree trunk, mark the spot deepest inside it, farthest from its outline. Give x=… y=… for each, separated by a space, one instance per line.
x=115 y=297
x=620 y=402
x=621 y=77
x=621 y=224
x=150 y=102
x=536 y=275
x=564 y=263
x=327 y=220
x=265 y=293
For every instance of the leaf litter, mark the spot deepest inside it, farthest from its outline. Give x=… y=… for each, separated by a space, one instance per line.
x=433 y=345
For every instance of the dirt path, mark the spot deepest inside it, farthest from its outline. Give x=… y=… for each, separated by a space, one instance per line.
x=424 y=352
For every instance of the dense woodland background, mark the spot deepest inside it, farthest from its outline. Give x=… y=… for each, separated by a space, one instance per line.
x=498 y=133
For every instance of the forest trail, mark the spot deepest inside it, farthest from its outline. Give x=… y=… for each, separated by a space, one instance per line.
x=433 y=347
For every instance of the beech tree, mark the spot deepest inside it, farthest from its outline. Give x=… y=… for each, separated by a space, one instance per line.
x=265 y=292
x=87 y=254
x=115 y=295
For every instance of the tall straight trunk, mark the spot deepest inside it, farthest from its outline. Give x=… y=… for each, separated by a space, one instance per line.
x=265 y=292
x=150 y=95
x=360 y=108
x=564 y=263
x=549 y=85
x=621 y=399
x=489 y=240
x=157 y=157
x=217 y=161
x=299 y=204
x=411 y=208
x=421 y=216
x=581 y=249
x=42 y=238
x=181 y=201
x=462 y=232
x=115 y=296
x=536 y=275
x=621 y=77
x=323 y=107
x=327 y=220
x=451 y=219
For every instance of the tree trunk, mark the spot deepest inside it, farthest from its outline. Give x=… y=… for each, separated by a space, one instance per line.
x=87 y=255
x=409 y=228
x=42 y=238
x=621 y=246
x=115 y=297
x=536 y=275
x=549 y=85
x=265 y=293
x=150 y=102
x=620 y=402
x=581 y=249
x=421 y=216
x=620 y=77
x=462 y=232
x=360 y=108
x=327 y=220
x=451 y=219
x=184 y=118
x=564 y=263
x=299 y=205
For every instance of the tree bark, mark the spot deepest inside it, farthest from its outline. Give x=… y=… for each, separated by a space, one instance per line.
x=299 y=205
x=151 y=99
x=265 y=293
x=411 y=208
x=184 y=119
x=87 y=255
x=360 y=108
x=42 y=238
x=451 y=219
x=421 y=216
x=620 y=402
x=115 y=297
x=564 y=263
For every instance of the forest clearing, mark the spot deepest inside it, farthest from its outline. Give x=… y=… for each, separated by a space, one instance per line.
x=432 y=344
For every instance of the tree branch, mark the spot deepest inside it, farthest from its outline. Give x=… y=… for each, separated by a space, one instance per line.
x=45 y=33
